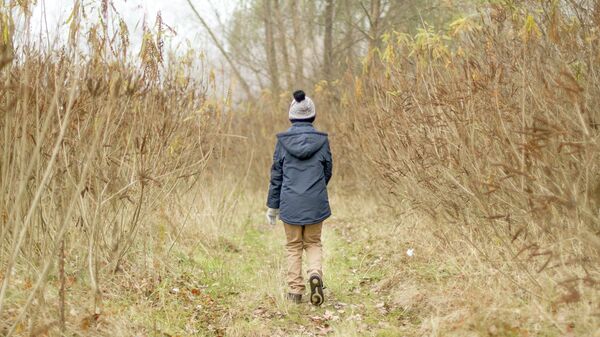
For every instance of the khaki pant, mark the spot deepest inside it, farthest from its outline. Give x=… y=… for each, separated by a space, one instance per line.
x=301 y=238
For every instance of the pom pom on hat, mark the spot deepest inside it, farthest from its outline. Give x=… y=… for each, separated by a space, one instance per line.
x=299 y=96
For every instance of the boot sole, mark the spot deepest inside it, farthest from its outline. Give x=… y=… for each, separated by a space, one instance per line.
x=316 y=290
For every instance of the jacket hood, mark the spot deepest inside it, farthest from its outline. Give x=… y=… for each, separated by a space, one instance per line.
x=302 y=144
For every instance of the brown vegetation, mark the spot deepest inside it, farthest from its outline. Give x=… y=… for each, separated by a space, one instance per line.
x=494 y=135
x=90 y=148
x=478 y=145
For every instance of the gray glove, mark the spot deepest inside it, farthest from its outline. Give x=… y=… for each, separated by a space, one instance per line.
x=272 y=215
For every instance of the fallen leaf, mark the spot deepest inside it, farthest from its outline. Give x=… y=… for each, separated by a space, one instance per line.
x=383 y=308
x=88 y=321
x=43 y=330
x=71 y=280
x=339 y=305
x=262 y=312
x=322 y=331
x=570 y=330
x=330 y=316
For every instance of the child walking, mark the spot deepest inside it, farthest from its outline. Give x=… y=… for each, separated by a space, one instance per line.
x=302 y=167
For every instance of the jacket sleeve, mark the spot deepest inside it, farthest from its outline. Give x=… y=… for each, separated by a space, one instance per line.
x=327 y=163
x=276 y=178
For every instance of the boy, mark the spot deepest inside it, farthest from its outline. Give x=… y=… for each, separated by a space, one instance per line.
x=301 y=170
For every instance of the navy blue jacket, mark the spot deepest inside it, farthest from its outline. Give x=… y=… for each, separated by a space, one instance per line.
x=302 y=167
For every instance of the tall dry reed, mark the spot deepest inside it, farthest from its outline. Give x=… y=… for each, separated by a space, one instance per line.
x=491 y=129
x=92 y=144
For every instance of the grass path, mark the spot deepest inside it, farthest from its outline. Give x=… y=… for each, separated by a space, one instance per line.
x=234 y=285
x=220 y=272
x=227 y=279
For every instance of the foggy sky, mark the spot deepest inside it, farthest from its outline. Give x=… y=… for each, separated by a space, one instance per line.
x=175 y=13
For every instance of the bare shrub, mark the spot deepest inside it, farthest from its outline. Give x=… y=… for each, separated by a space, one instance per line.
x=91 y=146
x=492 y=130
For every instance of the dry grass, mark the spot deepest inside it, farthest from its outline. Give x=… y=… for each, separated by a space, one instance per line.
x=131 y=202
x=228 y=280
x=492 y=133
x=91 y=148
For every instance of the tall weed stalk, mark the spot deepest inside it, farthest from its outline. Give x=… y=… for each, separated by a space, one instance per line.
x=92 y=144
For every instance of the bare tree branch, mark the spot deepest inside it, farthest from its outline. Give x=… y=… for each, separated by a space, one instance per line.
x=218 y=44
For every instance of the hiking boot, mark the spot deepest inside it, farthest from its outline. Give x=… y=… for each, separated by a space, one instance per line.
x=316 y=290
x=296 y=298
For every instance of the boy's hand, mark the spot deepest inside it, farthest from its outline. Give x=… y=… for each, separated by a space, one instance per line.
x=272 y=214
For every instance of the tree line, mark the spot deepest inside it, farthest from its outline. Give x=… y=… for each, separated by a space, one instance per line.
x=279 y=45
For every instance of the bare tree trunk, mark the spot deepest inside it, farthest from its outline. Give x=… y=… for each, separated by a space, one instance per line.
x=283 y=44
x=298 y=48
x=328 y=42
x=235 y=69
x=349 y=34
x=270 y=49
x=375 y=21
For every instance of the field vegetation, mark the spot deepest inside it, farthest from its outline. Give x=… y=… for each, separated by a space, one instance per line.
x=132 y=184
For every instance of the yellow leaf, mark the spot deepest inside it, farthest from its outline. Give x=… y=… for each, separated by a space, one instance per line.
x=358 y=88
x=211 y=76
x=5 y=34
x=463 y=25
x=530 y=29
x=403 y=39
x=388 y=54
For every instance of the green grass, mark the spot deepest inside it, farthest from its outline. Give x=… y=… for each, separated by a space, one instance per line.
x=239 y=289
x=230 y=281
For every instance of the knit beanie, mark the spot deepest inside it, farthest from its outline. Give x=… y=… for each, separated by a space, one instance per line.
x=302 y=107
